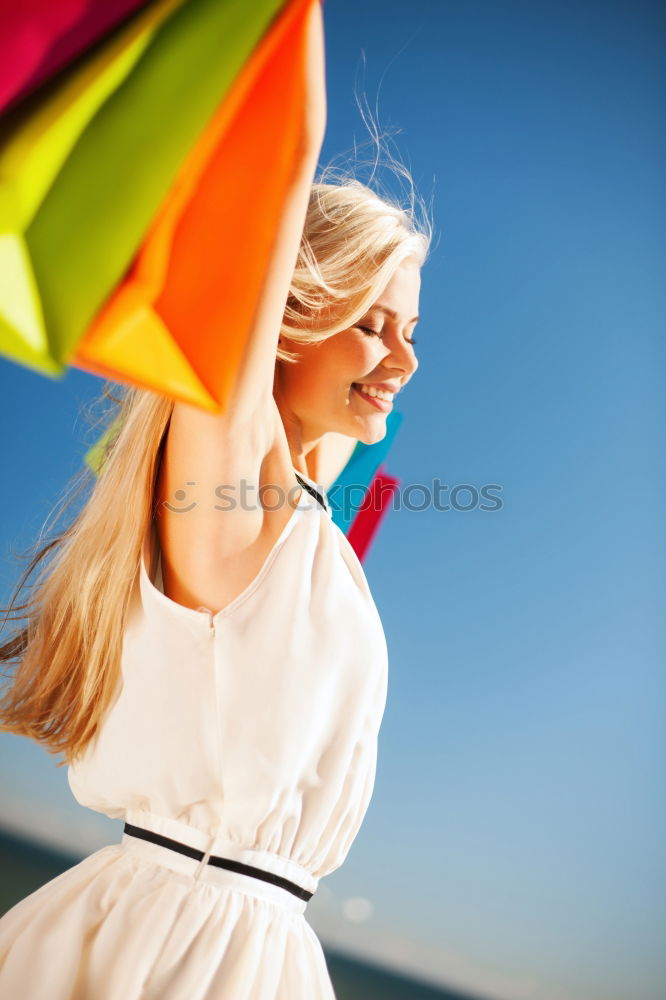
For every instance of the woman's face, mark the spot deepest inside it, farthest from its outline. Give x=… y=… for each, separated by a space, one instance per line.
x=318 y=394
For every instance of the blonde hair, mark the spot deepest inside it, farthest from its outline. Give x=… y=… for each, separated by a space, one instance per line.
x=69 y=651
x=352 y=243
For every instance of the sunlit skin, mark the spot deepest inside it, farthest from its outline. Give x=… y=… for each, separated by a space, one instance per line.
x=314 y=396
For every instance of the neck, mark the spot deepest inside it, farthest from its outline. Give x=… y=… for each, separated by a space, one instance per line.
x=303 y=451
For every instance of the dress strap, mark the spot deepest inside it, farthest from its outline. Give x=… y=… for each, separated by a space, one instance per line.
x=314 y=492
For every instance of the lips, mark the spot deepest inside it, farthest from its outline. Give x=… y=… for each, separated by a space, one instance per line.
x=379 y=404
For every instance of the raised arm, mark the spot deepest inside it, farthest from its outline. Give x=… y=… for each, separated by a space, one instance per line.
x=253 y=384
x=208 y=449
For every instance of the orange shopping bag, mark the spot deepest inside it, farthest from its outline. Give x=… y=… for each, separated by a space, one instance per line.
x=179 y=322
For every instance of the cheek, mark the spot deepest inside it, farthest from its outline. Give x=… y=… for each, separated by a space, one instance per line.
x=323 y=372
x=312 y=381
x=358 y=358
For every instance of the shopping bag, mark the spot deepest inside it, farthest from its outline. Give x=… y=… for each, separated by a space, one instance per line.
x=349 y=490
x=178 y=324
x=66 y=242
x=39 y=37
x=365 y=526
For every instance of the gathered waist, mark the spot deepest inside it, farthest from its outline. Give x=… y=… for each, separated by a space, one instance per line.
x=217 y=860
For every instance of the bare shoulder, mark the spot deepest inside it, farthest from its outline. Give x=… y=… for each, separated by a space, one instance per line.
x=223 y=493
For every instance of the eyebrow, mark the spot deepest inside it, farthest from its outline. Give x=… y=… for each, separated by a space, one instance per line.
x=392 y=313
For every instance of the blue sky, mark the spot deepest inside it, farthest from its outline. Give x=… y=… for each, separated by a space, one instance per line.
x=514 y=842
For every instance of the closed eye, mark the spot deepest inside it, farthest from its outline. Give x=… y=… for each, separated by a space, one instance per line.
x=378 y=333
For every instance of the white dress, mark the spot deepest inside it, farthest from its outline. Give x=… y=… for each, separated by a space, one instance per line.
x=250 y=735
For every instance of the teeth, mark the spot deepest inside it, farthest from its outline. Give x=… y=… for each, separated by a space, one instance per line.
x=370 y=390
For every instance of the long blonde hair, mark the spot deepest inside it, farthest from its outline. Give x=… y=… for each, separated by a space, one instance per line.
x=67 y=655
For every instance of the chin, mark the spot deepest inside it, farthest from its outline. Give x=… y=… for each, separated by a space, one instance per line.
x=372 y=435
x=367 y=432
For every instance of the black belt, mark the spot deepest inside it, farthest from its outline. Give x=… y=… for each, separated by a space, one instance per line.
x=234 y=866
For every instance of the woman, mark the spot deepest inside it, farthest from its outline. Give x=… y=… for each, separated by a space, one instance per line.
x=227 y=701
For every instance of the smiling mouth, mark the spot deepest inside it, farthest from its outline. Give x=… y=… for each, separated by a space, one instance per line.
x=379 y=404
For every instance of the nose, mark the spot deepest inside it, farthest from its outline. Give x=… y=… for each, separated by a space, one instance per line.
x=406 y=361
